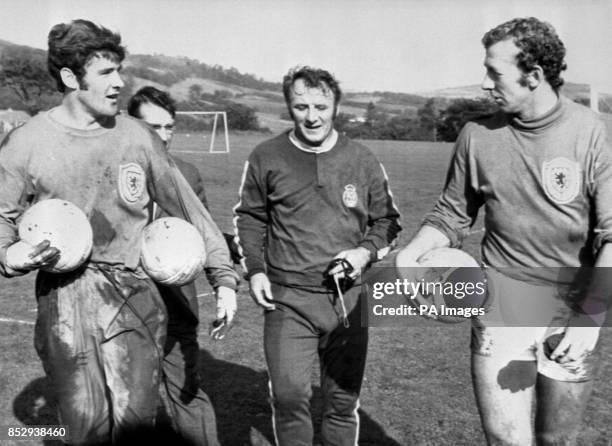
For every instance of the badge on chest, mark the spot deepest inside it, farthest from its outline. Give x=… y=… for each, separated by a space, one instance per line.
x=349 y=196
x=561 y=179
x=131 y=182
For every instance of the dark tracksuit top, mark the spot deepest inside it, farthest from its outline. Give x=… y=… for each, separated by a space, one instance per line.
x=193 y=177
x=299 y=209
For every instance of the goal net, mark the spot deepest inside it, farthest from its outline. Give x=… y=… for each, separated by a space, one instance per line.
x=205 y=131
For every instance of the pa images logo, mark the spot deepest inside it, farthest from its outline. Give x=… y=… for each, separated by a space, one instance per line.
x=131 y=182
x=561 y=179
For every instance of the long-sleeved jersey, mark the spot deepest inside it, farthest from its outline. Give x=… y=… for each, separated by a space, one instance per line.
x=299 y=209
x=193 y=177
x=112 y=174
x=545 y=184
x=183 y=299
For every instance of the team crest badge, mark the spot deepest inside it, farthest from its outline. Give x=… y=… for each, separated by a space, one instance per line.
x=131 y=182
x=561 y=178
x=349 y=196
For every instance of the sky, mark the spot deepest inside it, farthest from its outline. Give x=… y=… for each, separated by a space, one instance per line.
x=393 y=45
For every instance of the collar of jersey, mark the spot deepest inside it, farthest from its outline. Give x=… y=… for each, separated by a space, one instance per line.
x=48 y=115
x=543 y=121
x=325 y=146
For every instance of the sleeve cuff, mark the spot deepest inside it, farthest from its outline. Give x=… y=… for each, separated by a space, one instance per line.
x=601 y=238
x=252 y=271
x=371 y=247
x=228 y=282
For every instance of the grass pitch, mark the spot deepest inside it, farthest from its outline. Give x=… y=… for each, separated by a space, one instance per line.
x=417 y=389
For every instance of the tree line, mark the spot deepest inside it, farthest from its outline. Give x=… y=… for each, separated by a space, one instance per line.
x=435 y=120
x=239 y=116
x=25 y=84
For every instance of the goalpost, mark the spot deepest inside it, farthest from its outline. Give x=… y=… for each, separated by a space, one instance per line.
x=594 y=97
x=215 y=125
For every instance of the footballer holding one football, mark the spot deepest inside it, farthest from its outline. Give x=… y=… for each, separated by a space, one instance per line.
x=187 y=407
x=100 y=328
x=310 y=196
x=542 y=169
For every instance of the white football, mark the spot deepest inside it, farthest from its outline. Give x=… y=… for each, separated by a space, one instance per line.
x=448 y=258
x=172 y=251
x=451 y=280
x=66 y=227
x=453 y=267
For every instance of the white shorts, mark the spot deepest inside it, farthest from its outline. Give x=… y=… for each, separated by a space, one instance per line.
x=521 y=317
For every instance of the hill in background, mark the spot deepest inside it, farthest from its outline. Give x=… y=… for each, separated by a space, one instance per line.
x=576 y=92
x=25 y=84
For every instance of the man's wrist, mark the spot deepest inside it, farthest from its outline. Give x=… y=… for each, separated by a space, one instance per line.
x=252 y=272
x=17 y=257
x=369 y=248
x=230 y=283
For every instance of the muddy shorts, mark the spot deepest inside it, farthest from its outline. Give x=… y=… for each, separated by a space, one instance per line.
x=521 y=318
x=100 y=334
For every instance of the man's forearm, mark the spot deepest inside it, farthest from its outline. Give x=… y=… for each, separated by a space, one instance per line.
x=426 y=239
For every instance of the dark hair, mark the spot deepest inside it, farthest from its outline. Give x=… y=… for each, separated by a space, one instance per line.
x=72 y=45
x=538 y=44
x=150 y=95
x=313 y=78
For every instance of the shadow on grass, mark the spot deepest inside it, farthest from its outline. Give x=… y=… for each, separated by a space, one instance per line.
x=239 y=395
x=34 y=406
x=240 y=398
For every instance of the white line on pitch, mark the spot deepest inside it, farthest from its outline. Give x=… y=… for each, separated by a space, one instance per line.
x=203 y=294
x=16 y=321
x=196 y=151
x=476 y=231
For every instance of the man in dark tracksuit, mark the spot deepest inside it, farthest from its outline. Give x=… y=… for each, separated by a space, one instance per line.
x=188 y=408
x=308 y=196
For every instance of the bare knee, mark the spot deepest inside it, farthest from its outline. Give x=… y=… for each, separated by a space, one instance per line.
x=559 y=411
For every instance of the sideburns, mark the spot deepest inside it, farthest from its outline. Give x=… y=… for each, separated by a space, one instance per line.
x=83 y=85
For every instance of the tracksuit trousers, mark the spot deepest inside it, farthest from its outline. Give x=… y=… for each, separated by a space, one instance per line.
x=306 y=325
x=188 y=411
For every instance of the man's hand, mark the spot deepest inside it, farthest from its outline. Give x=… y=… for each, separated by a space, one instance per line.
x=425 y=240
x=260 y=291
x=576 y=343
x=22 y=256
x=357 y=257
x=226 y=309
x=406 y=259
